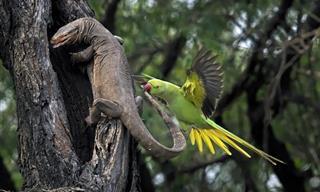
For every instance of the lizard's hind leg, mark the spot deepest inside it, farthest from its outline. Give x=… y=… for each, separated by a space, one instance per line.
x=105 y=106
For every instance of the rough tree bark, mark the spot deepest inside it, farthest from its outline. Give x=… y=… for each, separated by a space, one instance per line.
x=56 y=150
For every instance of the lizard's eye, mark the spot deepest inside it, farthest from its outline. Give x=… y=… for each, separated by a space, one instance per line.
x=157 y=86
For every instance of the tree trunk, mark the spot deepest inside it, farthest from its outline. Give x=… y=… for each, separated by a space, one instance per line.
x=56 y=149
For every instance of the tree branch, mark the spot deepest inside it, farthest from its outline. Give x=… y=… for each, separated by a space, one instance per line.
x=174 y=49
x=259 y=113
x=109 y=19
x=303 y=100
x=254 y=65
x=144 y=51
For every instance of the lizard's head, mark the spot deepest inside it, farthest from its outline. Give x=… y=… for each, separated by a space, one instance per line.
x=155 y=87
x=67 y=34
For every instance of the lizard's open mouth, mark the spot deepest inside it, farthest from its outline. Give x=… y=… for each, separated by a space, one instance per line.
x=62 y=38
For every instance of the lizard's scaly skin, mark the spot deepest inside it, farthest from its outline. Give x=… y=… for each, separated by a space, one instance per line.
x=110 y=78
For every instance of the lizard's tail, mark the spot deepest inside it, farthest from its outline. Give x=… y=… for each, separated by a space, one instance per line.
x=138 y=130
x=221 y=137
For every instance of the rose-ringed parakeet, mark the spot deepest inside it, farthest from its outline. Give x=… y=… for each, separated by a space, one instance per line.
x=194 y=103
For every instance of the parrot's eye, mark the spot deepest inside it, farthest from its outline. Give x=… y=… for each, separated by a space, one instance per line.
x=157 y=86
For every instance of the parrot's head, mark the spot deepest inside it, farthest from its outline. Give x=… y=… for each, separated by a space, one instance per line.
x=155 y=87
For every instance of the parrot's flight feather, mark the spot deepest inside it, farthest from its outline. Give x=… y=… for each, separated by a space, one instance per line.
x=204 y=82
x=198 y=140
x=231 y=138
x=207 y=141
x=192 y=136
x=213 y=135
x=220 y=136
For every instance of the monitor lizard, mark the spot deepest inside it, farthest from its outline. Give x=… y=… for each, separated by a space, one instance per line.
x=111 y=82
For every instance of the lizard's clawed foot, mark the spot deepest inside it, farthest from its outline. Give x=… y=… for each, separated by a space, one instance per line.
x=108 y=107
x=139 y=102
x=93 y=117
x=120 y=40
x=91 y=120
x=83 y=56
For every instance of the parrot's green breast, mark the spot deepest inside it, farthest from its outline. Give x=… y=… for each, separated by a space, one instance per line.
x=186 y=111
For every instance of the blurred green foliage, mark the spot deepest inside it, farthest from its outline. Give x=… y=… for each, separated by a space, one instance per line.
x=8 y=126
x=227 y=28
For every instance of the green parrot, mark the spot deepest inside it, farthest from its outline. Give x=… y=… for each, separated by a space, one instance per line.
x=194 y=103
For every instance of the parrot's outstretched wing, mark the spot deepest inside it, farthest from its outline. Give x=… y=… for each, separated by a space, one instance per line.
x=203 y=86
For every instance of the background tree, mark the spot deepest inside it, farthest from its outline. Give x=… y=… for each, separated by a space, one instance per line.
x=269 y=52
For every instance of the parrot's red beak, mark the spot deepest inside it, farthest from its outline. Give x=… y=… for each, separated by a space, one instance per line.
x=147 y=87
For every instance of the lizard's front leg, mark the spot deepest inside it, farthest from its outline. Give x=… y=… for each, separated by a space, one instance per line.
x=82 y=56
x=87 y=54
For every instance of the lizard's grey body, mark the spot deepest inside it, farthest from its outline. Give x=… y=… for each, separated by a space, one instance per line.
x=111 y=82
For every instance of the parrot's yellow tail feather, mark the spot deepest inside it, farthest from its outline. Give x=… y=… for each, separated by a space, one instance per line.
x=215 y=138
x=211 y=135
x=207 y=141
x=231 y=139
x=198 y=140
x=220 y=136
